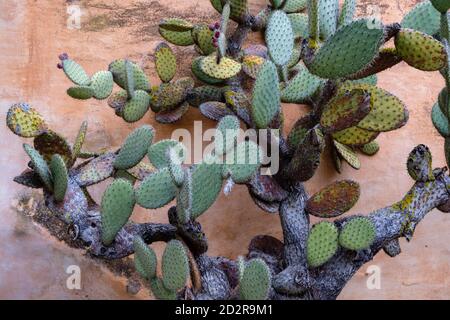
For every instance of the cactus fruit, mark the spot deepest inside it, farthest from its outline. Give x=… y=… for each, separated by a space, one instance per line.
x=423 y=17
x=24 y=121
x=165 y=61
x=251 y=65
x=441 y=5
x=95 y=170
x=81 y=92
x=118 y=69
x=160 y=291
x=102 y=84
x=347 y=12
x=334 y=200
x=116 y=208
x=60 y=177
x=349 y=50
x=175 y=266
x=157 y=190
x=157 y=153
x=266 y=96
x=215 y=110
x=245 y=161
x=79 y=141
x=328 y=17
x=255 y=280
x=357 y=234
x=40 y=166
x=419 y=164
x=370 y=148
x=226 y=134
x=420 y=50
x=322 y=243
x=134 y=148
x=76 y=73
x=225 y=69
x=136 y=107
x=144 y=259
x=199 y=74
x=299 y=23
x=348 y=155
x=302 y=87
x=279 y=37
x=345 y=110
x=440 y=121
x=50 y=143
x=355 y=136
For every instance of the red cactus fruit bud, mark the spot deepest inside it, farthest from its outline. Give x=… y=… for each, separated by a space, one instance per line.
x=63 y=56
x=217 y=34
x=59 y=66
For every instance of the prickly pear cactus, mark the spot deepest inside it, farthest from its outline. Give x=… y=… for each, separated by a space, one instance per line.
x=255 y=280
x=322 y=243
x=357 y=234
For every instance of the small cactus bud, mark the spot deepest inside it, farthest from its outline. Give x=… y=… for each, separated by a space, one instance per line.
x=211 y=27
x=59 y=66
x=217 y=34
x=63 y=56
x=217 y=25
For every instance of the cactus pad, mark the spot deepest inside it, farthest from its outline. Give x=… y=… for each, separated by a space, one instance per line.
x=215 y=110
x=50 y=143
x=176 y=24
x=349 y=50
x=168 y=96
x=322 y=243
x=79 y=141
x=40 y=166
x=266 y=96
x=299 y=22
x=29 y=179
x=158 y=152
x=117 y=101
x=144 y=259
x=279 y=37
x=299 y=130
x=118 y=69
x=179 y=38
x=357 y=234
x=25 y=121
x=334 y=200
x=134 y=148
x=175 y=265
x=419 y=163
x=348 y=155
x=251 y=65
x=199 y=74
x=60 y=177
x=440 y=121
x=355 y=136
x=302 y=87
x=441 y=5
x=165 y=61
x=172 y=116
x=347 y=12
x=328 y=17
x=246 y=161
x=255 y=281
x=136 y=107
x=226 y=134
x=160 y=291
x=370 y=148
x=423 y=17
x=202 y=37
x=294 y=5
x=76 y=73
x=184 y=198
x=102 y=84
x=81 y=92
x=116 y=208
x=420 y=50
x=203 y=94
x=95 y=170
x=226 y=69
x=156 y=190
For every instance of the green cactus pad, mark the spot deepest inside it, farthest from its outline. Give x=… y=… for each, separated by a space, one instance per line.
x=239 y=9
x=420 y=50
x=166 y=62
x=144 y=259
x=226 y=69
x=160 y=291
x=255 y=281
x=251 y=65
x=40 y=166
x=245 y=162
x=347 y=12
x=116 y=208
x=328 y=17
x=443 y=101
x=60 y=177
x=175 y=266
x=158 y=152
x=279 y=37
x=423 y=17
x=95 y=170
x=299 y=130
x=134 y=148
x=345 y=110
x=76 y=73
x=176 y=24
x=79 y=141
x=184 y=198
x=348 y=51
x=117 y=68
x=371 y=80
x=199 y=74
x=357 y=234
x=441 y=5
x=226 y=134
x=440 y=121
x=266 y=96
x=215 y=110
x=179 y=38
x=136 y=107
x=302 y=87
x=129 y=79
x=206 y=186
x=157 y=190
x=313 y=22
x=204 y=94
x=299 y=23
x=203 y=39
x=50 y=143
x=348 y=155
x=294 y=5
x=81 y=92
x=334 y=200
x=24 y=121
x=176 y=158
x=322 y=243
x=102 y=84
x=370 y=148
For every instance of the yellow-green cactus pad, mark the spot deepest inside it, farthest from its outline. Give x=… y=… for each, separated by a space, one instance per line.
x=60 y=177
x=102 y=84
x=355 y=136
x=251 y=65
x=81 y=92
x=134 y=148
x=226 y=69
x=294 y=5
x=157 y=190
x=136 y=107
x=24 y=121
x=420 y=50
x=165 y=61
x=370 y=148
x=357 y=234
x=167 y=96
x=203 y=39
x=79 y=140
x=334 y=200
x=179 y=38
x=176 y=24
x=116 y=208
x=50 y=143
x=322 y=243
x=200 y=75
x=175 y=266
x=348 y=155
x=76 y=73
x=40 y=166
